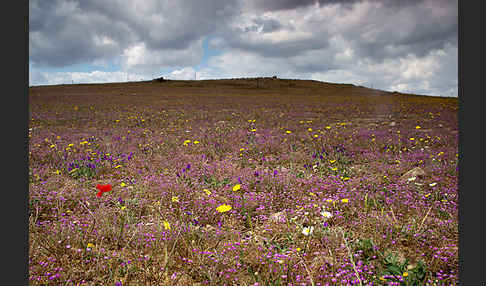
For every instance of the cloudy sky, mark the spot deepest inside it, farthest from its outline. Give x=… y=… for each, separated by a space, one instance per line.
x=394 y=45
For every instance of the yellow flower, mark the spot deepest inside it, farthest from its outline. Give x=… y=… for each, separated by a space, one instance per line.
x=417 y=127
x=309 y=129
x=329 y=200
x=175 y=199
x=223 y=208
x=208 y=192
x=253 y=130
x=237 y=187
x=405 y=274
x=122 y=184
x=288 y=131
x=411 y=138
x=195 y=142
x=186 y=142
x=123 y=208
x=58 y=172
x=53 y=146
x=328 y=127
x=83 y=142
x=345 y=201
x=298 y=249
x=315 y=135
x=118 y=166
x=70 y=145
x=332 y=161
x=166 y=224
x=90 y=245
x=312 y=194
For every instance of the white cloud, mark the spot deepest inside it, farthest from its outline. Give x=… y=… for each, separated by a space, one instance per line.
x=418 y=68
x=138 y=58
x=38 y=77
x=186 y=73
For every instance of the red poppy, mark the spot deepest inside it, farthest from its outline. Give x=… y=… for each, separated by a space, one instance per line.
x=103 y=189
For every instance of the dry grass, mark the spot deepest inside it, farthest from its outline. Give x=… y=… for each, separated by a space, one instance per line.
x=345 y=154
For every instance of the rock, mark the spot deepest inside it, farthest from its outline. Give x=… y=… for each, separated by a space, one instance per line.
x=415 y=172
x=392 y=123
x=278 y=217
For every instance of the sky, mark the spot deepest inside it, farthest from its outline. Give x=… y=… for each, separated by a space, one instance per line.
x=406 y=46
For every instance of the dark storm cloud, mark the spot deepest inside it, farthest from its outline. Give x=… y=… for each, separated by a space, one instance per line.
x=62 y=33
x=166 y=24
x=265 y=5
x=397 y=30
x=374 y=29
x=293 y=4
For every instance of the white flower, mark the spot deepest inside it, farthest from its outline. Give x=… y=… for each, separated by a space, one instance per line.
x=432 y=184
x=326 y=214
x=307 y=230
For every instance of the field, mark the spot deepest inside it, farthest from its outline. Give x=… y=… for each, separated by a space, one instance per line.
x=241 y=182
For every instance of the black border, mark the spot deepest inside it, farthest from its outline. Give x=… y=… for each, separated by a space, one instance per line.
x=15 y=183
x=470 y=198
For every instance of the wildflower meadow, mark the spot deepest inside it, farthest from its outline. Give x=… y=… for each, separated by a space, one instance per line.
x=228 y=183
